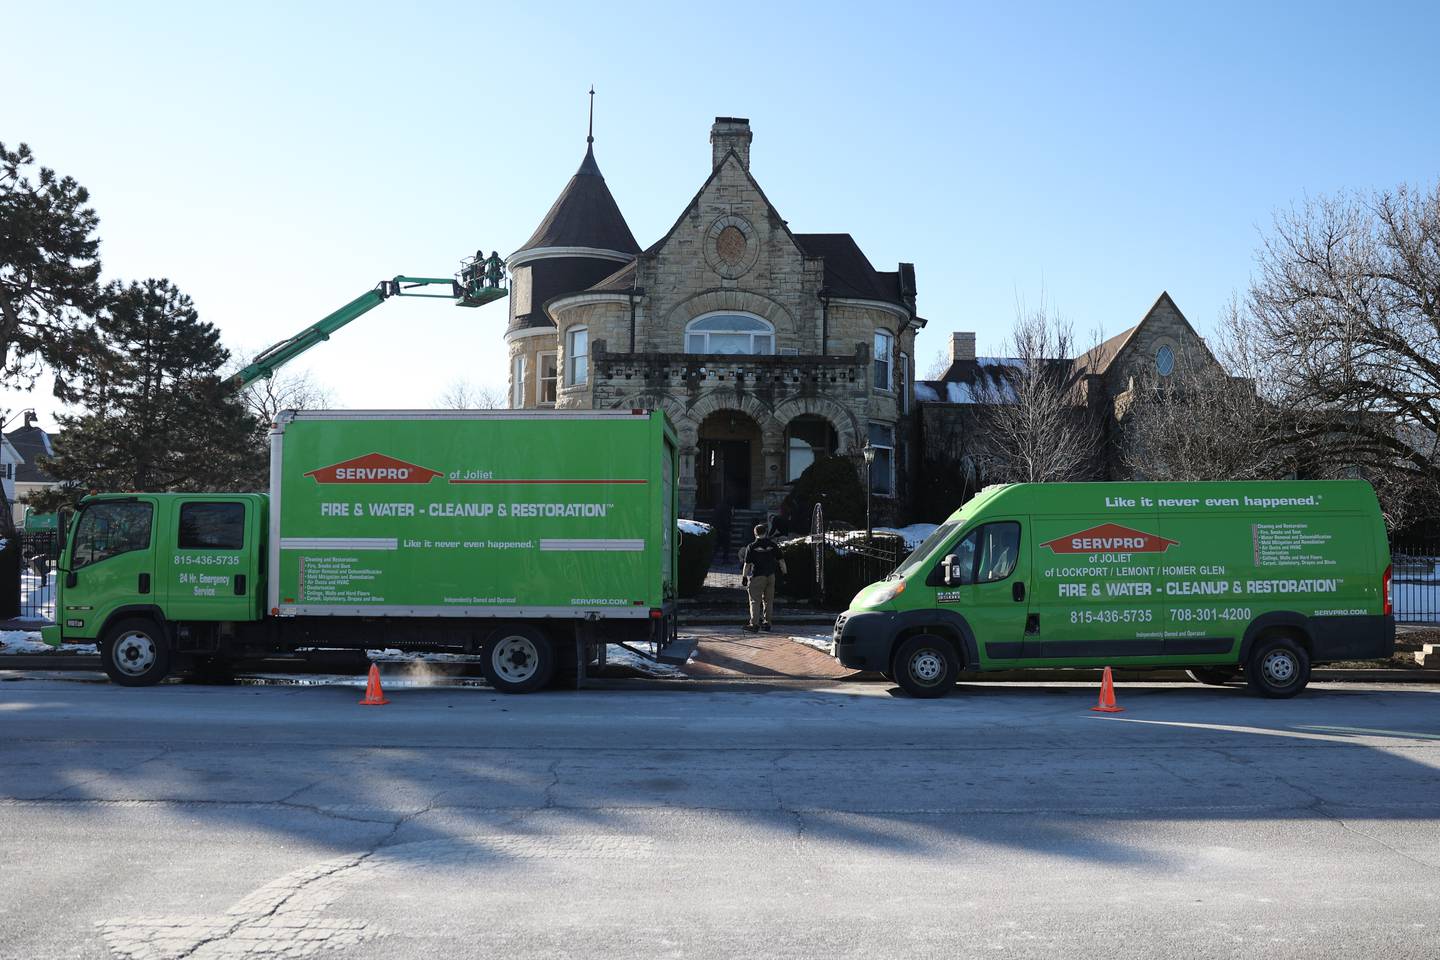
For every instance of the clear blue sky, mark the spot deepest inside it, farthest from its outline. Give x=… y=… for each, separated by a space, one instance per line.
x=275 y=160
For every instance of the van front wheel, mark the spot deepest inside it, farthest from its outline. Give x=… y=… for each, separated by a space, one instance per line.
x=135 y=653
x=1278 y=668
x=925 y=666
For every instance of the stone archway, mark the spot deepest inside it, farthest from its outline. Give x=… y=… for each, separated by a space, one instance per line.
x=847 y=425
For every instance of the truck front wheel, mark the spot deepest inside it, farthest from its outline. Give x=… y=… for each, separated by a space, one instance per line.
x=135 y=653
x=1278 y=668
x=925 y=666
x=518 y=660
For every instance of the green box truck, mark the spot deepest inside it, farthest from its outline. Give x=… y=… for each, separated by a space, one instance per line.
x=532 y=539
x=1260 y=578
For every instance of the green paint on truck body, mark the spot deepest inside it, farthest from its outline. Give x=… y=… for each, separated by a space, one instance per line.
x=473 y=514
x=1138 y=574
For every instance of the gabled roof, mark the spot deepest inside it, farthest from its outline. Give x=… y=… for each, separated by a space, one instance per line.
x=585 y=215
x=619 y=281
x=32 y=443
x=848 y=272
x=1101 y=358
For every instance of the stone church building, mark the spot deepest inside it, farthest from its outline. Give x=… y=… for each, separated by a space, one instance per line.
x=766 y=347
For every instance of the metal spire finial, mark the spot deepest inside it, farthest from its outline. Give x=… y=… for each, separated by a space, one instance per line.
x=590 y=132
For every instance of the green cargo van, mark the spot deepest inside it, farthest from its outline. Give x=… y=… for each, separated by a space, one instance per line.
x=1260 y=579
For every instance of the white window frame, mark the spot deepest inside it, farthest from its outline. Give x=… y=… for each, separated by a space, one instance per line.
x=890 y=447
x=517 y=382
x=768 y=332
x=889 y=361
x=577 y=365
x=541 y=380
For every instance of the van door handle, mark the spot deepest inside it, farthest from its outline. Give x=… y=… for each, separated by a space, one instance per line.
x=144 y=585
x=239 y=584
x=1018 y=591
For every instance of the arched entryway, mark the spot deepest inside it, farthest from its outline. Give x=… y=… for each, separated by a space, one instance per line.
x=729 y=462
x=808 y=437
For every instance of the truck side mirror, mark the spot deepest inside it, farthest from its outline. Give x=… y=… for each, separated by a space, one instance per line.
x=71 y=579
x=948 y=565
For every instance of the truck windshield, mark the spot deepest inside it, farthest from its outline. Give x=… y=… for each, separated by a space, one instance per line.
x=931 y=544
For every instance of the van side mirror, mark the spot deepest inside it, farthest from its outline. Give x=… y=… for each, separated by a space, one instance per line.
x=948 y=565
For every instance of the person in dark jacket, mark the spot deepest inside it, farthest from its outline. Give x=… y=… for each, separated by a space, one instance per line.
x=760 y=561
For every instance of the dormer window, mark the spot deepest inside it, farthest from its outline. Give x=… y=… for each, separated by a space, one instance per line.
x=729 y=333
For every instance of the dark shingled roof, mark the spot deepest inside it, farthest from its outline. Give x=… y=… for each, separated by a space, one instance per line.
x=585 y=215
x=32 y=443
x=848 y=272
x=619 y=281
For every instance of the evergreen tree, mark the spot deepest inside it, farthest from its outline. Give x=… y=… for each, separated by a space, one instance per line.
x=157 y=413
x=49 y=270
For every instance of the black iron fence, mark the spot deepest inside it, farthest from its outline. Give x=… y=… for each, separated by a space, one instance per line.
x=39 y=556
x=1415 y=581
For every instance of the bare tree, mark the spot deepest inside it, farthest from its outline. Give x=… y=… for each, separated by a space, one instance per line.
x=265 y=398
x=1207 y=420
x=461 y=394
x=1347 y=303
x=939 y=363
x=1035 y=406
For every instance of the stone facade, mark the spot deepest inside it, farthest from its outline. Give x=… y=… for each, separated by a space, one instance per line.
x=791 y=361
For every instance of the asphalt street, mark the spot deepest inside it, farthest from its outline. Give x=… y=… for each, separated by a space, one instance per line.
x=643 y=819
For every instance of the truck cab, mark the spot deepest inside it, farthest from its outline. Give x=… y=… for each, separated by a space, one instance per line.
x=150 y=576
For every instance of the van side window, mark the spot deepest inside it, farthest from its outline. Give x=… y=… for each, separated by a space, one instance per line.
x=999 y=551
x=212 y=526
x=109 y=529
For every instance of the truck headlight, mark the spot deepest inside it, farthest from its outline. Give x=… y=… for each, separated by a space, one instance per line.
x=886 y=593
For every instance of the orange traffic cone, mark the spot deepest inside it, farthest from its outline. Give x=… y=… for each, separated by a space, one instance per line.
x=375 y=697
x=1107 y=695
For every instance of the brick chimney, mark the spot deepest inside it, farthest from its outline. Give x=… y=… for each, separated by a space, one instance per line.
x=730 y=133
x=962 y=346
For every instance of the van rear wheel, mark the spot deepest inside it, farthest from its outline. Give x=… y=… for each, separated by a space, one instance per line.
x=135 y=652
x=1213 y=676
x=925 y=666
x=518 y=660
x=1278 y=668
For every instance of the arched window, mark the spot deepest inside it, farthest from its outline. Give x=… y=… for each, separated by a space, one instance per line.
x=733 y=333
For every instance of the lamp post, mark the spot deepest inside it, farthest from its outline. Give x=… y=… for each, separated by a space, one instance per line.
x=868 y=452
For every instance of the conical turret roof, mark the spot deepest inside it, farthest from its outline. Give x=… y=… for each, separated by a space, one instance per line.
x=585 y=215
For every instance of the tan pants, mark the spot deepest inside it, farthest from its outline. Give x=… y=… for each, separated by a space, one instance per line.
x=762 y=599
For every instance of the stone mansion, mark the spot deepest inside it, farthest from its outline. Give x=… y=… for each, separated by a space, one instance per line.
x=769 y=348
x=766 y=347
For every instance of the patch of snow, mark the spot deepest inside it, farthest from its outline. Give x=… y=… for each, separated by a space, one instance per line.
x=692 y=527
x=28 y=641
x=923 y=391
x=823 y=642
x=634 y=661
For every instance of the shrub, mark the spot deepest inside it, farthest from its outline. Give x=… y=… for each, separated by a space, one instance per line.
x=832 y=482
x=696 y=552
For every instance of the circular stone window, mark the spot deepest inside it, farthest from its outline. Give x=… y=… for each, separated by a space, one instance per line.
x=1165 y=360
x=730 y=247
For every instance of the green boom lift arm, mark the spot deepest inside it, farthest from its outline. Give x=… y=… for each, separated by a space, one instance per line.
x=472 y=292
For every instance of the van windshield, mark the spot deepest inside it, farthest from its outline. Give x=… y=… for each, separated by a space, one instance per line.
x=931 y=544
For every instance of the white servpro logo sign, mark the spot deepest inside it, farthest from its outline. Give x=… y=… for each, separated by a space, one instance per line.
x=373 y=468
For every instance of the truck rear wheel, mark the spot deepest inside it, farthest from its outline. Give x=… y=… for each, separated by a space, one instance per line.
x=1278 y=668
x=1213 y=676
x=518 y=660
x=925 y=666
x=135 y=652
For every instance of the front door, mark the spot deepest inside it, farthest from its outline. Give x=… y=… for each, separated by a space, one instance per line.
x=211 y=577
x=724 y=474
x=110 y=564
x=990 y=586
